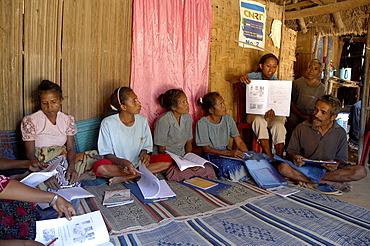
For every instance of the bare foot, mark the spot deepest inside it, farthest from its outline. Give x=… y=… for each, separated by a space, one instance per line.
x=87 y=176
x=343 y=186
x=116 y=180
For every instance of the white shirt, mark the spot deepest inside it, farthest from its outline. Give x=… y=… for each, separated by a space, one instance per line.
x=125 y=141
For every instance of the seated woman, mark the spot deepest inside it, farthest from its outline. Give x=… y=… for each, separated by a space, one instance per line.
x=261 y=123
x=125 y=140
x=213 y=132
x=48 y=133
x=173 y=132
x=18 y=219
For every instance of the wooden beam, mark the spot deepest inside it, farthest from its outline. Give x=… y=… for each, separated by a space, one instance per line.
x=317 y=2
x=299 y=5
x=325 y=9
x=319 y=24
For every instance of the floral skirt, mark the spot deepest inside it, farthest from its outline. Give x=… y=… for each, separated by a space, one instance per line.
x=18 y=220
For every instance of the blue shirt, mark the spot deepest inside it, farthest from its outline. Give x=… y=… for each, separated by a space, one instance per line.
x=259 y=76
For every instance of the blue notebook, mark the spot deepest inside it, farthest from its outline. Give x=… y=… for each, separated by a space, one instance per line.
x=264 y=174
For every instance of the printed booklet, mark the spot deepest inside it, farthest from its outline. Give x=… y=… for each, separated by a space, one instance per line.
x=114 y=198
x=200 y=183
x=188 y=160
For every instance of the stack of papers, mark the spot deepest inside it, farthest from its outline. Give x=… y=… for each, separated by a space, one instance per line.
x=114 y=198
x=152 y=188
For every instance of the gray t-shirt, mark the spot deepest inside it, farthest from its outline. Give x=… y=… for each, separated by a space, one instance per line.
x=308 y=142
x=304 y=96
x=172 y=135
x=215 y=135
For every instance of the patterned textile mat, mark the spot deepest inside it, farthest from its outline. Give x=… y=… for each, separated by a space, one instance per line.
x=306 y=218
x=189 y=202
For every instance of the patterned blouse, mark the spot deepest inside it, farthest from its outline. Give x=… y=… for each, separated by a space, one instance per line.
x=37 y=127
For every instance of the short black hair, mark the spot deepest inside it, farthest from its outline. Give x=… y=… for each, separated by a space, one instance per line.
x=44 y=86
x=264 y=58
x=168 y=99
x=333 y=101
x=208 y=101
x=117 y=100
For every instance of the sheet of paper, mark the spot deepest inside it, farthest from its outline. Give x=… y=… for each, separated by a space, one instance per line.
x=263 y=95
x=33 y=179
x=275 y=34
x=280 y=93
x=87 y=229
x=36 y=178
x=256 y=98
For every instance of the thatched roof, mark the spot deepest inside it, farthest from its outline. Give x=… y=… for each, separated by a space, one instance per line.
x=327 y=17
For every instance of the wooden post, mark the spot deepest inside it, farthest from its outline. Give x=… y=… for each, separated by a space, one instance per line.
x=327 y=61
x=365 y=96
x=316 y=49
x=281 y=40
x=301 y=22
x=325 y=48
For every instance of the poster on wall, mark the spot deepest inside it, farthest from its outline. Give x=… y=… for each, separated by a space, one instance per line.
x=252 y=25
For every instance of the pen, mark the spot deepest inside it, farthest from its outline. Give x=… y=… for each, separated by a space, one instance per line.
x=66 y=186
x=51 y=242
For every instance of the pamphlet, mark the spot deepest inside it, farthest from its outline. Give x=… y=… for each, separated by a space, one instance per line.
x=283 y=191
x=151 y=187
x=36 y=178
x=200 y=183
x=214 y=190
x=87 y=229
x=318 y=162
x=114 y=198
x=263 y=95
x=189 y=160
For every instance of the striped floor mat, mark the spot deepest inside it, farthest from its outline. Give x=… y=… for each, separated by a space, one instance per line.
x=306 y=218
x=189 y=203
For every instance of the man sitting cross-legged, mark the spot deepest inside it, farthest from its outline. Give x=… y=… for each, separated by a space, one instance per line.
x=321 y=138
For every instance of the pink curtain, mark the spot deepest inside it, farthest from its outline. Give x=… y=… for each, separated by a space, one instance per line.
x=170 y=50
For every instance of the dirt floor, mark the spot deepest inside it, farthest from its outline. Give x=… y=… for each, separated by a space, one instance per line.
x=360 y=194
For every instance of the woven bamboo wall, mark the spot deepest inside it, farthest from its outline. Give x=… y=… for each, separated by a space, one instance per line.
x=11 y=20
x=228 y=59
x=85 y=46
x=96 y=53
